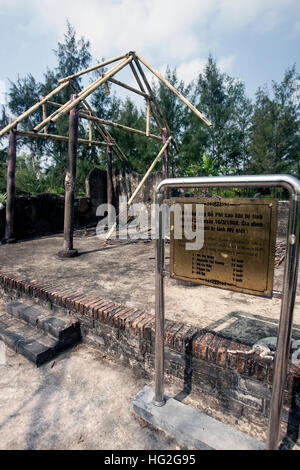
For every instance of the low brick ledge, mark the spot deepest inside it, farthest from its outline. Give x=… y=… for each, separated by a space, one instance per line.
x=201 y=344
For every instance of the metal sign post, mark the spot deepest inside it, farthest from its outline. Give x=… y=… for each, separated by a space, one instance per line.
x=289 y=282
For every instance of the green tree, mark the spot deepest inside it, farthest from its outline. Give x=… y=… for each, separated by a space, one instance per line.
x=29 y=177
x=135 y=147
x=173 y=109
x=72 y=56
x=223 y=101
x=275 y=138
x=171 y=106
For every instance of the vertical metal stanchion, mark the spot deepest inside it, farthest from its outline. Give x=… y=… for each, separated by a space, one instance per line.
x=159 y=399
x=289 y=284
x=165 y=136
x=110 y=184
x=285 y=325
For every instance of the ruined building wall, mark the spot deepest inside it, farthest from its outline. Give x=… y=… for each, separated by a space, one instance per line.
x=43 y=214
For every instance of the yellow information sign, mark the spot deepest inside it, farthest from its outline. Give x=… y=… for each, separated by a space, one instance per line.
x=239 y=244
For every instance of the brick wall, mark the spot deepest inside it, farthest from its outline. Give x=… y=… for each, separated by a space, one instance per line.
x=43 y=214
x=238 y=384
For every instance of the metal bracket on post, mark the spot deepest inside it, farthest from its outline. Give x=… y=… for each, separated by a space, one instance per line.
x=289 y=284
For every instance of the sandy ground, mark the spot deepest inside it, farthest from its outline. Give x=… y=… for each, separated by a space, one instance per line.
x=78 y=402
x=81 y=400
x=125 y=274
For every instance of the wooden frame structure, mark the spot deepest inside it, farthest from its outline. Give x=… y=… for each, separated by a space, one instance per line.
x=79 y=108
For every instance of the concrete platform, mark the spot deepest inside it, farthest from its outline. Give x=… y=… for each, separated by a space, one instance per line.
x=189 y=426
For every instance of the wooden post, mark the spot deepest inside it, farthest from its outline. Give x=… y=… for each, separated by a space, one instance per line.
x=10 y=191
x=68 y=249
x=165 y=136
x=110 y=184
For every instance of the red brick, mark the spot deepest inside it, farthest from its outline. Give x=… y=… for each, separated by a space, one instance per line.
x=107 y=310
x=137 y=323
x=101 y=310
x=179 y=337
x=250 y=366
x=212 y=349
x=125 y=317
x=67 y=298
x=232 y=359
x=222 y=352
x=97 y=309
x=115 y=318
x=60 y=297
x=182 y=336
x=96 y=305
x=170 y=331
x=88 y=304
x=203 y=345
x=261 y=370
x=143 y=322
x=82 y=304
x=132 y=321
x=112 y=313
x=241 y=363
x=37 y=288
x=73 y=302
x=195 y=344
x=149 y=329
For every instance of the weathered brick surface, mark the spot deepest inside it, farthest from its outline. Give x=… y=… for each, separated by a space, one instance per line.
x=240 y=384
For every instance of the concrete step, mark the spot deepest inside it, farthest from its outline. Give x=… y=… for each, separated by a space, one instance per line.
x=39 y=335
x=56 y=325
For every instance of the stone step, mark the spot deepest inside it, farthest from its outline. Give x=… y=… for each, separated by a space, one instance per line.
x=56 y=325
x=39 y=335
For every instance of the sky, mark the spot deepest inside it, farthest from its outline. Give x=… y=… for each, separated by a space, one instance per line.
x=252 y=40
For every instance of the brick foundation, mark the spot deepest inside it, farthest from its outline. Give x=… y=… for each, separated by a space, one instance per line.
x=237 y=384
